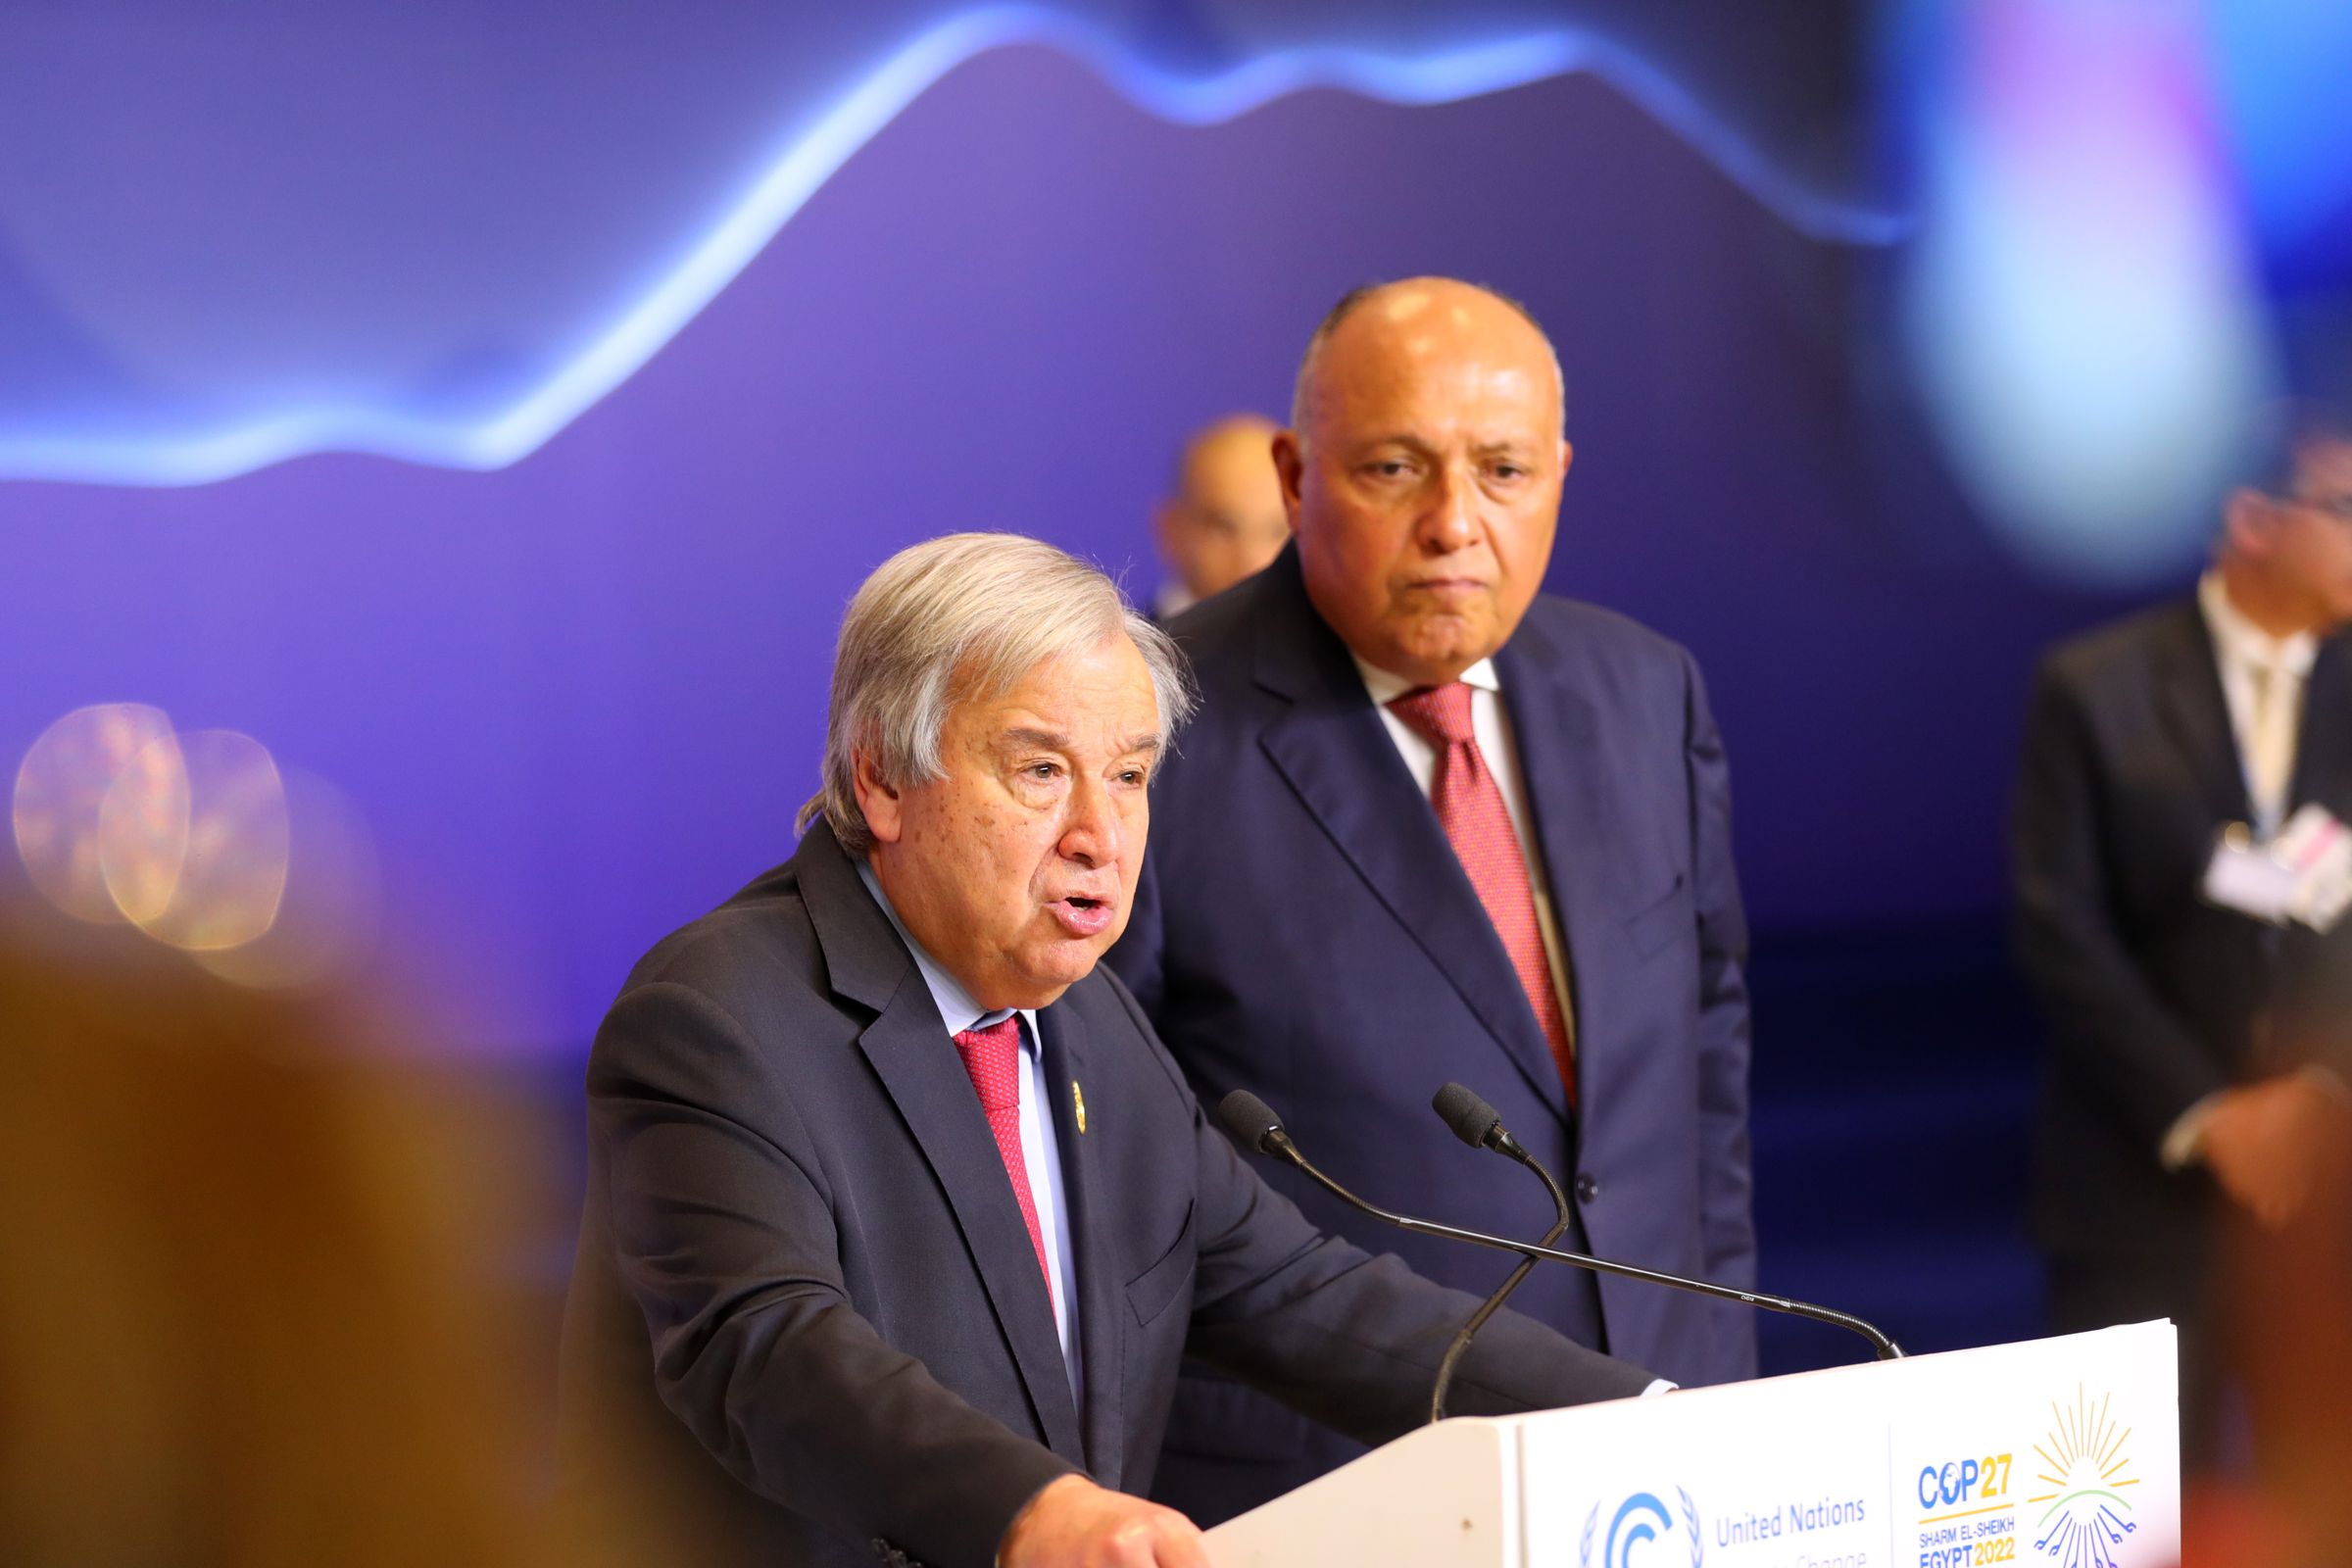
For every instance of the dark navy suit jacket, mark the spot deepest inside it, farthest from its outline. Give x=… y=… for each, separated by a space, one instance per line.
x=2154 y=996
x=1306 y=931
x=803 y=1287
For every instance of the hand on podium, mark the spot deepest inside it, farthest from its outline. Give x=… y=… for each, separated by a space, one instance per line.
x=1075 y=1524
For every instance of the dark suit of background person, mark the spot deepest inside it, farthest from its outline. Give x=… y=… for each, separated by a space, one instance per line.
x=1314 y=926
x=2156 y=999
x=1304 y=930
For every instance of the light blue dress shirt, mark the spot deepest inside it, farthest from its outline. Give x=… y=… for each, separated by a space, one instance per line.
x=1040 y=1151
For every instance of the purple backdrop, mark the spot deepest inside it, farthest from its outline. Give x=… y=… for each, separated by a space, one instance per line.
x=578 y=700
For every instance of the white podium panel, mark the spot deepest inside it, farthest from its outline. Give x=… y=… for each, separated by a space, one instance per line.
x=2055 y=1453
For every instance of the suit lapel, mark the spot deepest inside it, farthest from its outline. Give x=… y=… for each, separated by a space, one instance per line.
x=909 y=1048
x=2197 y=715
x=2324 y=745
x=1564 y=772
x=1336 y=753
x=1092 y=1228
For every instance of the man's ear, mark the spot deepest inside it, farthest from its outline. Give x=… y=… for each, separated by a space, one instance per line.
x=879 y=802
x=1167 y=527
x=1290 y=467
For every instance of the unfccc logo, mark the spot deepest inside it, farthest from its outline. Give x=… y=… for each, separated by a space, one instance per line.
x=1958 y=1481
x=1639 y=1521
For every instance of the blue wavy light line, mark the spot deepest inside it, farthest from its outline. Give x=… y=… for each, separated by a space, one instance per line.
x=815 y=154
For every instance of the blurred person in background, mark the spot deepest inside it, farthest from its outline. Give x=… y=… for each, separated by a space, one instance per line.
x=259 y=1309
x=1431 y=824
x=1226 y=519
x=2197 y=1038
x=899 y=1217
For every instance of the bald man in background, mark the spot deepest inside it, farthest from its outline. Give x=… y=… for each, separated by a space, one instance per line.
x=1226 y=519
x=1431 y=824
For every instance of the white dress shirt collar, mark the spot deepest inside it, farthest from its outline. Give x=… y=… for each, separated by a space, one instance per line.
x=2263 y=680
x=1386 y=688
x=957 y=1009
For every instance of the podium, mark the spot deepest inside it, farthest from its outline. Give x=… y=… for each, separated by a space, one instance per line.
x=2063 y=1452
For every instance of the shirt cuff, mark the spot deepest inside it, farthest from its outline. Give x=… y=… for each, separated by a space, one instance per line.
x=1659 y=1385
x=2183 y=1142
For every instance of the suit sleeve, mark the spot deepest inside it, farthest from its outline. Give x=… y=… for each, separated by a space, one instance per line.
x=723 y=1235
x=2108 y=1027
x=1727 y=1190
x=1352 y=1339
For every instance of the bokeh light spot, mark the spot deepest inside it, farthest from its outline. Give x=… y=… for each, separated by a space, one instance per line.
x=230 y=823
x=62 y=788
x=2084 y=312
x=327 y=923
x=143 y=831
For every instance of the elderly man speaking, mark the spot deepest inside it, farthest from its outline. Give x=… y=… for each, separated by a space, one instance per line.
x=896 y=1202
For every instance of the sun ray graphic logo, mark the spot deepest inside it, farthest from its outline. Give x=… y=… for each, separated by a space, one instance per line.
x=2089 y=1473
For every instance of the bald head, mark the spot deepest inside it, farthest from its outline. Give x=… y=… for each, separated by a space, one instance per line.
x=1422 y=472
x=1226 y=519
x=1424 y=300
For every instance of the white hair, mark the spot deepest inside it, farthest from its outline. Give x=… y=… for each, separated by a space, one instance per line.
x=962 y=618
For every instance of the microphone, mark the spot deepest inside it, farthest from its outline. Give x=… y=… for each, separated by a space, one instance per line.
x=1251 y=1123
x=1254 y=1124
x=1475 y=1123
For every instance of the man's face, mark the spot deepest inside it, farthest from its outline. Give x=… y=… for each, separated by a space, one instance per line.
x=1017 y=870
x=1230 y=522
x=2312 y=541
x=1425 y=484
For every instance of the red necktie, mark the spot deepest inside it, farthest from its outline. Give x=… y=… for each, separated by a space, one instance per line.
x=993 y=1057
x=1469 y=806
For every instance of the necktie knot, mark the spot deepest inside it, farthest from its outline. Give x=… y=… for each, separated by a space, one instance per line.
x=1439 y=714
x=992 y=1056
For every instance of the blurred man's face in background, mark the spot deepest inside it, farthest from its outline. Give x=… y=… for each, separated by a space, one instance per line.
x=2312 y=532
x=1424 y=479
x=1226 y=520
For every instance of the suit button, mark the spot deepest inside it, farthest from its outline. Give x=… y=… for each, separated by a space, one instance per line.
x=1587 y=1187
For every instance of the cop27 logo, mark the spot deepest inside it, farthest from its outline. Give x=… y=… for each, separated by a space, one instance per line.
x=1639 y=1521
x=2086 y=1481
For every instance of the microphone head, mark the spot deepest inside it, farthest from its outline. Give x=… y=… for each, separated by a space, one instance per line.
x=1249 y=1119
x=1473 y=1120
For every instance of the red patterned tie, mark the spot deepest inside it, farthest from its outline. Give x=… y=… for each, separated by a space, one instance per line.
x=993 y=1057
x=1469 y=806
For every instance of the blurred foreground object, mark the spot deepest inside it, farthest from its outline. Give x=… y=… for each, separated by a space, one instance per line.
x=2291 y=1338
x=248 y=1314
x=2199 y=1043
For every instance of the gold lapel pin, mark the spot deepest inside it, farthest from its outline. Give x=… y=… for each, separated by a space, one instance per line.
x=1078 y=1104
